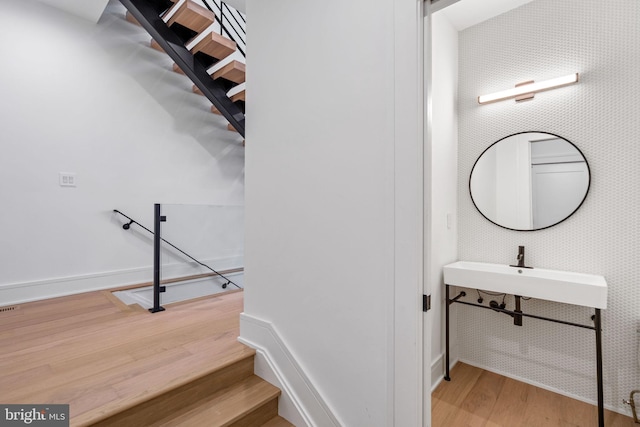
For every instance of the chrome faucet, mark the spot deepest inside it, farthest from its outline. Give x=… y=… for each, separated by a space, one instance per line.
x=520 y=258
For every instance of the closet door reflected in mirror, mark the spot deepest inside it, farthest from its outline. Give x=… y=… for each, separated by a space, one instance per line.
x=529 y=181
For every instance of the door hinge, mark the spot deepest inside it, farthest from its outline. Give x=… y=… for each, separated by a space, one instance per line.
x=426 y=302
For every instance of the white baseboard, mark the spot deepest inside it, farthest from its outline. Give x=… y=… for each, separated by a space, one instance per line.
x=301 y=404
x=18 y=293
x=287 y=408
x=437 y=370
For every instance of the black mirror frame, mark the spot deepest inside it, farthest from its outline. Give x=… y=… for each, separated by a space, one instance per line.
x=533 y=229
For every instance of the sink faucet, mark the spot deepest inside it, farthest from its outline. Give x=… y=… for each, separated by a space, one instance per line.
x=520 y=258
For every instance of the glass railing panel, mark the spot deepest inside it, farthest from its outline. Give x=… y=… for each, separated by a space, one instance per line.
x=202 y=250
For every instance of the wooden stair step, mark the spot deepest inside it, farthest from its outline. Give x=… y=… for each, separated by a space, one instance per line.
x=234 y=71
x=155 y=45
x=130 y=18
x=105 y=370
x=240 y=96
x=214 y=46
x=192 y=16
x=121 y=367
x=277 y=422
x=177 y=69
x=231 y=128
x=214 y=110
x=248 y=403
x=196 y=89
x=178 y=400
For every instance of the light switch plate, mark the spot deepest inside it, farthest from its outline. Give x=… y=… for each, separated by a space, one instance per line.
x=67 y=179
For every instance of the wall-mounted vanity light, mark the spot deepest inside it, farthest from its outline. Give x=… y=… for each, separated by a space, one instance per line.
x=526 y=90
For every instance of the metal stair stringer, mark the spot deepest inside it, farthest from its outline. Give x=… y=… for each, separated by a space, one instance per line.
x=151 y=21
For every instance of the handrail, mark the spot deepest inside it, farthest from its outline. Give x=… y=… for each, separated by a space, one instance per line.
x=220 y=5
x=132 y=221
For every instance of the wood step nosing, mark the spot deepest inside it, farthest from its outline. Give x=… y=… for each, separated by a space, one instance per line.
x=225 y=397
x=132 y=403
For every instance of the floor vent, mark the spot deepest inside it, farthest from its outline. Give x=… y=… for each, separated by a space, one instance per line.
x=8 y=310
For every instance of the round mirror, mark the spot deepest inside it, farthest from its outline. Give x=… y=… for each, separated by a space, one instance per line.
x=529 y=181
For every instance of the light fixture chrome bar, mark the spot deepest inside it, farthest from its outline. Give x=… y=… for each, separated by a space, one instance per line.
x=528 y=88
x=436 y=5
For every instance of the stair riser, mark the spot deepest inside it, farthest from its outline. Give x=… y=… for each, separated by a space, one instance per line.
x=259 y=416
x=172 y=401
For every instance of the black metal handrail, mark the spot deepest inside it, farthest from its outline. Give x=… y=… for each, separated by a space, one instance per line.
x=241 y=35
x=127 y=226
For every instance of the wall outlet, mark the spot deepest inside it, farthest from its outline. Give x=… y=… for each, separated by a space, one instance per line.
x=67 y=179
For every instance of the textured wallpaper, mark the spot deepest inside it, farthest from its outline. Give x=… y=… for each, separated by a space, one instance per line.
x=601 y=116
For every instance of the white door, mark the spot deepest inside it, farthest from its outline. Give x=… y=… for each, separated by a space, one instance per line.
x=557 y=190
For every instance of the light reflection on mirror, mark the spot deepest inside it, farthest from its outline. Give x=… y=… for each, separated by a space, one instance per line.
x=529 y=181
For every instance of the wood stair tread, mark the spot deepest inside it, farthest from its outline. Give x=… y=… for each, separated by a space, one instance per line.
x=228 y=406
x=240 y=96
x=277 y=422
x=177 y=69
x=155 y=45
x=179 y=400
x=143 y=388
x=192 y=16
x=130 y=18
x=120 y=367
x=104 y=360
x=234 y=71
x=215 y=46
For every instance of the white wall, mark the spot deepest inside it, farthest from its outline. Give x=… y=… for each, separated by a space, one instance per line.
x=442 y=161
x=483 y=184
x=97 y=101
x=540 y=40
x=87 y=9
x=334 y=128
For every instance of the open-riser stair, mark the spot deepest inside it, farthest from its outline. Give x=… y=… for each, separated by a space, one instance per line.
x=183 y=30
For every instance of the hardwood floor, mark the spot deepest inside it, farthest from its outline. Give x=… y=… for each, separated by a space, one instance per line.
x=103 y=357
x=475 y=397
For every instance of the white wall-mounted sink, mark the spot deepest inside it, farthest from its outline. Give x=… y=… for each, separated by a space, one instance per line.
x=561 y=286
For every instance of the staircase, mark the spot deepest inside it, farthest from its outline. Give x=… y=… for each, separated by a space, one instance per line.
x=229 y=395
x=226 y=393
x=185 y=30
x=119 y=365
